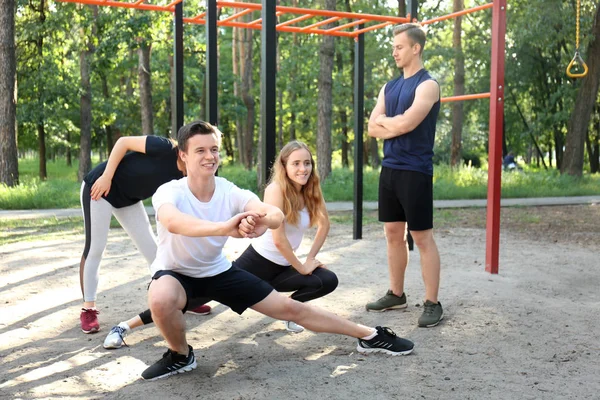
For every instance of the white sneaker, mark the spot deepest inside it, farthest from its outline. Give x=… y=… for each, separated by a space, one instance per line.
x=291 y=326
x=115 y=338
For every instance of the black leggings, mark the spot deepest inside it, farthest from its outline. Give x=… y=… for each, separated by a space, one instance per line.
x=286 y=279
x=283 y=279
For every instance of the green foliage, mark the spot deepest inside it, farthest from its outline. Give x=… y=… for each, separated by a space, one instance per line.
x=33 y=194
x=539 y=97
x=339 y=186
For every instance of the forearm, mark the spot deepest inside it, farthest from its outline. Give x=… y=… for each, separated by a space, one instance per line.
x=380 y=132
x=186 y=225
x=116 y=155
x=273 y=219
x=396 y=126
x=287 y=252
x=320 y=236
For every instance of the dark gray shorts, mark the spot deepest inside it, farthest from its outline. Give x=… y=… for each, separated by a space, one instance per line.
x=234 y=288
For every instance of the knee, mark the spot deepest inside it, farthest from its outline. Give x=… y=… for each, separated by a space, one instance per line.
x=395 y=235
x=330 y=281
x=163 y=301
x=294 y=310
x=423 y=239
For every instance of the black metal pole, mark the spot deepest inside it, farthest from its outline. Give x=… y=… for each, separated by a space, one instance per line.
x=211 y=62
x=178 y=67
x=359 y=124
x=268 y=72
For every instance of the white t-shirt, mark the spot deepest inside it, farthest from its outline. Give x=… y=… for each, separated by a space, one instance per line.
x=198 y=257
x=265 y=246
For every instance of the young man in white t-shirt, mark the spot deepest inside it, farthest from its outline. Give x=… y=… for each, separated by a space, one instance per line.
x=195 y=216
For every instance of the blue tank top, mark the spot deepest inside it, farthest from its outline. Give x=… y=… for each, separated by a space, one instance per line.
x=414 y=150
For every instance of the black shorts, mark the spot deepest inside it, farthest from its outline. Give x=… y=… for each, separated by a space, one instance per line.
x=406 y=196
x=234 y=288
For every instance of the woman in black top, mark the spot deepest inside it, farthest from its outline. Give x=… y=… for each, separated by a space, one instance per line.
x=136 y=167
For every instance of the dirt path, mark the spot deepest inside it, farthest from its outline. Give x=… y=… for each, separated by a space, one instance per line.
x=528 y=333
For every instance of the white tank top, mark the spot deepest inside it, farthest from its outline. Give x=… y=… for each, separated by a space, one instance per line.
x=265 y=246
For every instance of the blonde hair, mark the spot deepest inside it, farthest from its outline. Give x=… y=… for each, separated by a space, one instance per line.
x=292 y=199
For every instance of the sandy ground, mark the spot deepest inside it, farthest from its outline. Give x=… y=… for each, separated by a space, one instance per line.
x=528 y=333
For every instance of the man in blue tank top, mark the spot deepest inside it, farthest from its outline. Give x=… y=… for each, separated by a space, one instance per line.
x=405 y=117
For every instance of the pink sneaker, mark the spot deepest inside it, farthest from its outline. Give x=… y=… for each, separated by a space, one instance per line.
x=89 y=320
x=200 y=310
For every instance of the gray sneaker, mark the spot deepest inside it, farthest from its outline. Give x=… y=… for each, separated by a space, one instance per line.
x=388 y=302
x=116 y=337
x=432 y=314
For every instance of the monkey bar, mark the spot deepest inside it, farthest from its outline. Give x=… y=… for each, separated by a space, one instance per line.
x=312 y=21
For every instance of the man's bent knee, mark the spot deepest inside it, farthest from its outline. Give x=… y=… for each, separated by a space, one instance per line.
x=166 y=295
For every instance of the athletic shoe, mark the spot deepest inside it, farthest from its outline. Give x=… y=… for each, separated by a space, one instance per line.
x=171 y=363
x=387 y=342
x=116 y=337
x=432 y=314
x=89 y=320
x=200 y=310
x=291 y=326
x=388 y=302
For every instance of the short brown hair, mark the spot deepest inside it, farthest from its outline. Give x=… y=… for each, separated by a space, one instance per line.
x=415 y=33
x=196 y=128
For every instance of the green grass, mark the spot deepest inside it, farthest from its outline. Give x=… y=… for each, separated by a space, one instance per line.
x=61 y=190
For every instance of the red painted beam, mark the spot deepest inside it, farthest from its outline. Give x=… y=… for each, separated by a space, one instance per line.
x=495 y=141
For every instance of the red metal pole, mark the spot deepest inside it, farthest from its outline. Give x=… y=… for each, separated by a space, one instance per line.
x=495 y=140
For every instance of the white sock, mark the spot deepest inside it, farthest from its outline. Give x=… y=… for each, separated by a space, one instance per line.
x=371 y=336
x=124 y=326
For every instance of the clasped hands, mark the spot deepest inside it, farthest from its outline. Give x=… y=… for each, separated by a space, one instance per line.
x=252 y=225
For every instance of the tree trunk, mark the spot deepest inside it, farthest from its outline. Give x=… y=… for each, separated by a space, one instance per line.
x=572 y=163
x=171 y=104
x=9 y=167
x=593 y=141
x=129 y=79
x=145 y=83
x=401 y=8
x=108 y=129
x=247 y=84
x=85 y=101
x=324 y=101
x=374 y=153
x=558 y=146
x=459 y=88
x=40 y=120
x=342 y=114
x=68 y=150
x=235 y=63
x=43 y=172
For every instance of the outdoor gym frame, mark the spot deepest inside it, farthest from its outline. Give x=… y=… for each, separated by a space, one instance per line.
x=360 y=24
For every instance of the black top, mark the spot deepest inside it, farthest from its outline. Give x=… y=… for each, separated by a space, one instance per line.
x=139 y=175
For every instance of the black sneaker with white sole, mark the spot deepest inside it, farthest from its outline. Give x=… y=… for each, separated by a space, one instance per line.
x=387 y=342
x=171 y=363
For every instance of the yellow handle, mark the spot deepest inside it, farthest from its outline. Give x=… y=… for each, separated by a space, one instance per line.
x=577 y=60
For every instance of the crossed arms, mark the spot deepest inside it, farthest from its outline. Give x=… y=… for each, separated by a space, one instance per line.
x=387 y=127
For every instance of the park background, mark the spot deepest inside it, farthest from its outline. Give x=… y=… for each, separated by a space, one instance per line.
x=86 y=75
